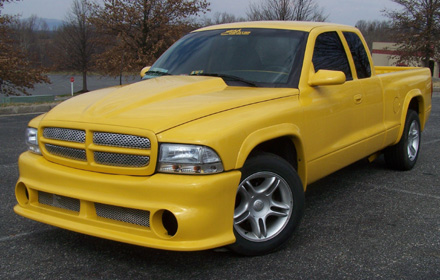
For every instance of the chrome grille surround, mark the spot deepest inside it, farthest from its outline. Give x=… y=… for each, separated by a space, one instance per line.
x=65 y=134
x=121 y=140
x=123 y=160
x=58 y=201
x=66 y=152
x=123 y=214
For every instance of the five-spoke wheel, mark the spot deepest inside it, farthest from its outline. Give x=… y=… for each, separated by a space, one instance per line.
x=403 y=155
x=263 y=208
x=269 y=205
x=413 y=140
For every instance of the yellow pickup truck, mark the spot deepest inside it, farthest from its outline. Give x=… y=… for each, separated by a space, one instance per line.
x=217 y=143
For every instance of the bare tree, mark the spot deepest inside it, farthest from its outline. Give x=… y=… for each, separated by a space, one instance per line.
x=30 y=34
x=301 y=10
x=17 y=72
x=375 y=31
x=219 y=18
x=75 y=41
x=416 y=30
x=137 y=32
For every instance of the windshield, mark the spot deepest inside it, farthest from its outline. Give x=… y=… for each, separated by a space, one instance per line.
x=263 y=57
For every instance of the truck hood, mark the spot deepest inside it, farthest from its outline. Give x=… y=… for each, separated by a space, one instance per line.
x=161 y=103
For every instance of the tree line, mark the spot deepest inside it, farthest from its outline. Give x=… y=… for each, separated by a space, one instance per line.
x=112 y=37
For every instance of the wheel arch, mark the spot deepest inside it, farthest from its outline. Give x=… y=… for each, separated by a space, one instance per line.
x=283 y=140
x=413 y=101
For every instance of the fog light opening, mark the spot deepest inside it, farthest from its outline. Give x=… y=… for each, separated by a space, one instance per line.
x=22 y=194
x=169 y=222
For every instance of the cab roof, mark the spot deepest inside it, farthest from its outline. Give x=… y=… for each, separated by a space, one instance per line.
x=306 y=26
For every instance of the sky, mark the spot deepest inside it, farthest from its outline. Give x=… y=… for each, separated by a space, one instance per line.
x=339 y=11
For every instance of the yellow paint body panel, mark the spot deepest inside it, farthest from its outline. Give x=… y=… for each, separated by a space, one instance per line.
x=203 y=205
x=330 y=126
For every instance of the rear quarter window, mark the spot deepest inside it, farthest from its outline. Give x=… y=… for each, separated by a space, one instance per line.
x=359 y=54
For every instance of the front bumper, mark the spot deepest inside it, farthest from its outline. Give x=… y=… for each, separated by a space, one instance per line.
x=203 y=206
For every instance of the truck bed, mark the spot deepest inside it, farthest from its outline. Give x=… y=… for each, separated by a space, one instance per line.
x=389 y=69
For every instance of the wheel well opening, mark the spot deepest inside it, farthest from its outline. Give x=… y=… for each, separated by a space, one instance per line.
x=414 y=105
x=282 y=147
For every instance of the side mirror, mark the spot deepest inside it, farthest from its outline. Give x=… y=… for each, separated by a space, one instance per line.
x=327 y=78
x=145 y=70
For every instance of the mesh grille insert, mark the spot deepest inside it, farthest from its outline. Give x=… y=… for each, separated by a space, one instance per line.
x=121 y=140
x=72 y=153
x=59 y=201
x=65 y=134
x=123 y=214
x=101 y=149
x=123 y=160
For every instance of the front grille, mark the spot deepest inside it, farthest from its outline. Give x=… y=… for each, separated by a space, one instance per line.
x=72 y=153
x=121 y=140
x=101 y=151
x=123 y=160
x=65 y=134
x=123 y=214
x=59 y=201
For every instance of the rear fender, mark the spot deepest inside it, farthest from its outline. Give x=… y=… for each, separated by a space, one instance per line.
x=410 y=96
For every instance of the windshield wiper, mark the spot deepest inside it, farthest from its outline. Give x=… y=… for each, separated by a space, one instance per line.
x=150 y=74
x=227 y=77
x=157 y=72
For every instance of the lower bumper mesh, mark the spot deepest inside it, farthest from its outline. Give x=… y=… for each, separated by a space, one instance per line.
x=116 y=213
x=122 y=214
x=59 y=201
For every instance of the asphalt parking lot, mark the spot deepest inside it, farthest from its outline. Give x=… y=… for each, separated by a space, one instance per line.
x=363 y=222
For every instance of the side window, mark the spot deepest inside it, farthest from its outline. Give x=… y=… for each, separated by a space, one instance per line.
x=359 y=54
x=329 y=54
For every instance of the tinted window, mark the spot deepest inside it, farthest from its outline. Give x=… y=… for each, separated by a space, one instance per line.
x=329 y=54
x=359 y=54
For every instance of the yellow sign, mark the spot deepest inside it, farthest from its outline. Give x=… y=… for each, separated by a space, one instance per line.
x=235 y=32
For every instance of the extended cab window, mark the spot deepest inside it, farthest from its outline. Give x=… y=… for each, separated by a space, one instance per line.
x=329 y=54
x=359 y=54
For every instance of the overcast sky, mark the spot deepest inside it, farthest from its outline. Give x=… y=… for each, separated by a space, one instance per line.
x=339 y=11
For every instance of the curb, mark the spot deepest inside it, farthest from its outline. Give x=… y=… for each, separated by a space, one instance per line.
x=27 y=109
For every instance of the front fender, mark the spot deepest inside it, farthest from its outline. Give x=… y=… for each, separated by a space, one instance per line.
x=273 y=132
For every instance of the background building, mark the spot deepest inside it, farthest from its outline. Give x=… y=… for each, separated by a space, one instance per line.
x=385 y=54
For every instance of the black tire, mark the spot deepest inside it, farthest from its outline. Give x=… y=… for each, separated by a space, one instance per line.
x=403 y=156
x=269 y=205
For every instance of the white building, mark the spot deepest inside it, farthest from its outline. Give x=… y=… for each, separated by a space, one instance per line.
x=384 y=55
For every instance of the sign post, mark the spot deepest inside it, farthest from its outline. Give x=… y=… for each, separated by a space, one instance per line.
x=72 y=79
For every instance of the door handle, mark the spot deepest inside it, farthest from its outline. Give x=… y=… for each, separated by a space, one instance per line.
x=358 y=98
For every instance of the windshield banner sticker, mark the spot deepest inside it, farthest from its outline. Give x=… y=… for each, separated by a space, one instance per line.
x=236 y=32
x=197 y=72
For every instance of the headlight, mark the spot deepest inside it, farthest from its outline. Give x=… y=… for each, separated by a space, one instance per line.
x=188 y=159
x=32 y=140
